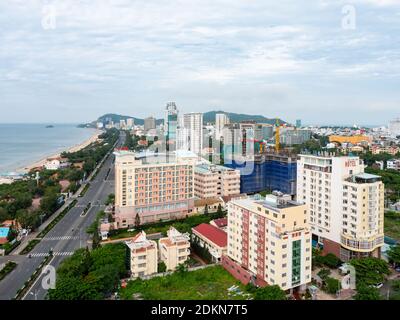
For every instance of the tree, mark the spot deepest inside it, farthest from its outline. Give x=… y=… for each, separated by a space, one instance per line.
x=324 y=273
x=394 y=255
x=27 y=219
x=331 y=261
x=206 y=210
x=162 y=267
x=365 y=292
x=4 y=215
x=219 y=210
x=370 y=271
x=270 y=293
x=137 y=220
x=332 y=285
x=181 y=268
x=49 y=203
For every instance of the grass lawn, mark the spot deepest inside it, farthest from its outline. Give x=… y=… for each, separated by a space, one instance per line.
x=206 y=284
x=184 y=225
x=392 y=225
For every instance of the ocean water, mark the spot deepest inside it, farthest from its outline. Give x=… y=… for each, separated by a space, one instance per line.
x=24 y=144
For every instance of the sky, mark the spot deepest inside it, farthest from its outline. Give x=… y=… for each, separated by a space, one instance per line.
x=322 y=61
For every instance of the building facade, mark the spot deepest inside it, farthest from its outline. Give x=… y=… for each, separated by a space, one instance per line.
x=269 y=242
x=221 y=119
x=151 y=188
x=213 y=181
x=174 y=249
x=346 y=205
x=267 y=171
x=190 y=132
x=143 y=256
x=170 y=126
x=149 y=123
x=212 y=238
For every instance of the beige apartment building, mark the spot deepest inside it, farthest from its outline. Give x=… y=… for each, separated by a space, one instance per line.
x=143 y=256
x=174 y=249
x=346 y=205
x=213 y=181
x=153 y=187
x=269 y=242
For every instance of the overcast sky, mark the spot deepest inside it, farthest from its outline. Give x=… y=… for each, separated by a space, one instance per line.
x=275 y=58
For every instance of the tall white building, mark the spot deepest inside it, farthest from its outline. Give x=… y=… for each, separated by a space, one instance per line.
x=190 y=132
x=130 y=122
x=346 y=205
x=221 y=119
x=394 y=127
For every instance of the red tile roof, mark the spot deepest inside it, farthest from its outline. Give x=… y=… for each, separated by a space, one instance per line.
x=215 y=235
x=222 y=222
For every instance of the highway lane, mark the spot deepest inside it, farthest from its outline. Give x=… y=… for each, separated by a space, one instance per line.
x=67 y=236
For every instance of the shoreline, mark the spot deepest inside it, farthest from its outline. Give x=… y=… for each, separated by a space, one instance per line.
x=74 y=148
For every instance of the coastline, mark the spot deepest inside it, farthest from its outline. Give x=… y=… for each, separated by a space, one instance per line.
x=75 y=148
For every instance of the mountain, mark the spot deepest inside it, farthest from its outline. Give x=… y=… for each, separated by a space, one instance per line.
x=207 y=117
x=117 y=117
x=238 y=117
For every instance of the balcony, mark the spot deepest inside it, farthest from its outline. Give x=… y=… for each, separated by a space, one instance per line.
x=362 y=244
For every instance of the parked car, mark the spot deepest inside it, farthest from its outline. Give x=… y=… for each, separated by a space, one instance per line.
x=378 y=286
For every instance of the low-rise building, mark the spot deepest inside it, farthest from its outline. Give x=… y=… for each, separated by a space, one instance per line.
x=269 y=242
x=211 y=181
x=143 y=256
x=378 y=149
x=174 y=249
x=393 y=164
x=56 y=163
x=221 y=223
x=4 y=235
x=211 y=203
x=211 y=238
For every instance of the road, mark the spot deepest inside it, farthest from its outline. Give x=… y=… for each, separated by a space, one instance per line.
x=65 y=237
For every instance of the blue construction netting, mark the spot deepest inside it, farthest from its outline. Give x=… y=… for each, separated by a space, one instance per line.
x=269 y=174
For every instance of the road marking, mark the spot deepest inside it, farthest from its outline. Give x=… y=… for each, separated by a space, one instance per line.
x=45 y=254
x=60 y=238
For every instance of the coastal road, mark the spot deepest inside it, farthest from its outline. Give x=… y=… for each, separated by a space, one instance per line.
x=65 y=237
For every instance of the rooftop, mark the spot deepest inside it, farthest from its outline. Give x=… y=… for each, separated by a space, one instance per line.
x=214 y=234
x=221 y=222
x=364 y=178
x=4 y=232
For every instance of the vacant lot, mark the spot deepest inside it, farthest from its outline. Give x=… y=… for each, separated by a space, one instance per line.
x=206 y=284
x=392 y=224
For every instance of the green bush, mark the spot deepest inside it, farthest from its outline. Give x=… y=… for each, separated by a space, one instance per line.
x=332 y=285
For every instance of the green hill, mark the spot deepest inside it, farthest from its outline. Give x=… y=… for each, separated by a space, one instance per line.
x=208 y=117
x=238 y=117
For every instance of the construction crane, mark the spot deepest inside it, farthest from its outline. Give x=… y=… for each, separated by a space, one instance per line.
x=277 y=136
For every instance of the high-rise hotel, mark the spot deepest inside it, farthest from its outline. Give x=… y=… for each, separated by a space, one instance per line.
x=152 y=187
x=346 y=205
x=269 y=242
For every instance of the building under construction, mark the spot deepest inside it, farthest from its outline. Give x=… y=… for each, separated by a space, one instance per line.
x=267 y=171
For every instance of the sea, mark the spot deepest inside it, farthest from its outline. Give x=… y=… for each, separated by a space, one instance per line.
x=24 y=144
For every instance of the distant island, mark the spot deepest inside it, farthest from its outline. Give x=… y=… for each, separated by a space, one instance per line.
x=208 y=117
x=50 y=126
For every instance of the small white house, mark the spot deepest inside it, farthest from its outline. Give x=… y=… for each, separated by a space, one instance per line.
x=55 y=164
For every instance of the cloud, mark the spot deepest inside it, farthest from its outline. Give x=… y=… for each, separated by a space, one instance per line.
x=132 y=56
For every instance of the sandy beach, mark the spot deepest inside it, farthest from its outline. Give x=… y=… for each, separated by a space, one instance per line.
x=74 y=148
